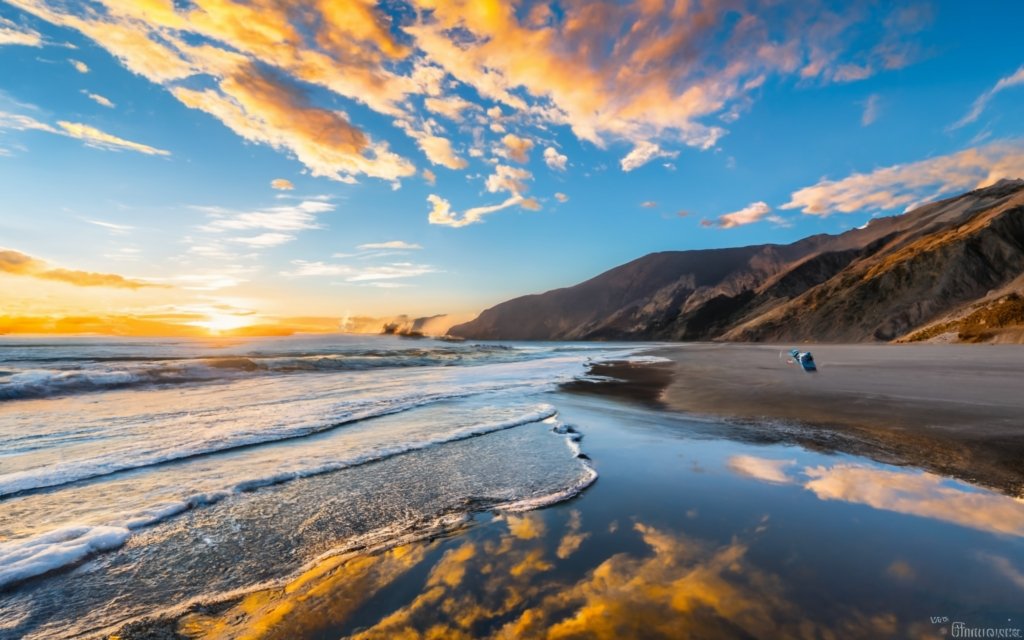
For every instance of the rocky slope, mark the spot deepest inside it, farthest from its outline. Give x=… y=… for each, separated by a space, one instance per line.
x=878 y=283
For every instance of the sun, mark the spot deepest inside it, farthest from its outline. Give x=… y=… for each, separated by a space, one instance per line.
x=216 y=322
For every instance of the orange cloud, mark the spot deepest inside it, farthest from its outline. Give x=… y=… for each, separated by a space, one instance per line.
x=516 y=148
x=265 y=109
x=19 y=264
x=12 y=33
x=651 y=84
x=91 y=136
x=747 y=215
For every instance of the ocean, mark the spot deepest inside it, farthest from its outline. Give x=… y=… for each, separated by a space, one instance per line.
x=135 y=473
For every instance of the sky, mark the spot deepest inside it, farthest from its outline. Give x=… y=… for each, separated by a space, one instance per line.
x=263 y=166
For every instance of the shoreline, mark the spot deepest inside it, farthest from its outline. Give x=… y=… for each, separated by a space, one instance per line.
x=683 y=499
x=869 y=400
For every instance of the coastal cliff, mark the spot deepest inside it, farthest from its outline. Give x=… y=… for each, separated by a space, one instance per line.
x=929 y=274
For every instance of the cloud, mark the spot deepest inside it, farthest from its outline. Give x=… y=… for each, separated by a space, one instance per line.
x=281 y=219
x=555 y=160
x=648 y=204
x=264 y=240
x=871 y=107
x=1013 y=80
x=100 y=100
x=281 y=184
x=517 y=149
x=761 y=468
x=441 y=211
x=908 y=185
x=451 y=107
x=117 y=229
x=394 y=270
x=643 y=153
x=747 y=215
x=264 y=109
x=91 y=136
x=391 y=244
x=505 y=179
x=79 y=66
x=19 y=264
x=508 y=179
x=273 y=75
x=429 y=177
x=561 y=197
x=12 y=33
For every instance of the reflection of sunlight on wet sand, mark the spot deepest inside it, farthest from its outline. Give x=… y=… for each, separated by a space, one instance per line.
x=915 y=493
x=330 y=591
x=504 y=583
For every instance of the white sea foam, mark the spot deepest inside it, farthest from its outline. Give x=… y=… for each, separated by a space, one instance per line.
x=23 y=559
x=107 y=463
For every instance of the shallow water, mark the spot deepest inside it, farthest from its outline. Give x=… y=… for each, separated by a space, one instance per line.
x=128 y=500
x=684 y=535
x=178 y=487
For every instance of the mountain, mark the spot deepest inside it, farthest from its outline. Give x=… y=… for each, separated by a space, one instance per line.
x=920 y=275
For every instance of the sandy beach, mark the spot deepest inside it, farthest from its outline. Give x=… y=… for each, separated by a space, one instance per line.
x=954 y=409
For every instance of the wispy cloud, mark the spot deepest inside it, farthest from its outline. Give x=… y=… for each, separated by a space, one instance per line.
x=285 y=218
x=361 y=273
x=871 y=110
x=113 y=227
x=391 y=244
x=79 y=66
x=1013 y=80
x=100 y=100
x=281 y=184
x=90 y=135
x=12 y=33
x=907 y=185
x=16 y=263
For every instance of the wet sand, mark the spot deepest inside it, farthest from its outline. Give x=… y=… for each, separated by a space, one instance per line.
x=685 y=535
x=954 y=409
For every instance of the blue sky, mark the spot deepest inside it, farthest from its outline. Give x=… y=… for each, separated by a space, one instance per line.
x=141 y=138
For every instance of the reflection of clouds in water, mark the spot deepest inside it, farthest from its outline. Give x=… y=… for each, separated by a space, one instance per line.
x=920 y=494
x=573 y=538
x=761 y=468
x=504 y=583
x=911 y=492
x=1005 y=567
x=332 y=590
x=681 y=588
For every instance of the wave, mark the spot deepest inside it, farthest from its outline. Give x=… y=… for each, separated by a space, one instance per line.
x=90 y=374
x=21 y=560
